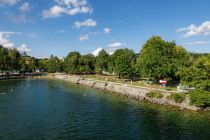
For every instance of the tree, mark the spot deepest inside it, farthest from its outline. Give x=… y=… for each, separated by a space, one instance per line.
x=102 y=62
x=87 y=63
x=71 y=63
x=198 y=74
x=42 y=63
x=13 y=59
x=160 y=59
x=124 y=63
x=111 y=64
x=54 y=64
x=3 y=58
x=27 y=63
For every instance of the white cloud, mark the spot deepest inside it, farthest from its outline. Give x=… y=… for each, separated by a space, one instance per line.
x=116 y=44
x=33 y=35
x=23 y=48
x=4 y=39
x=55 y=11
x=5 y=42
x=86 y=23
x=193 y=30
x=69 y=7
x=111 y=48
x=107 y=30
x=96 y=52
x=25 y=7
x=74 y=3
x=84 y=37
x=198 y=43
x=8 y=2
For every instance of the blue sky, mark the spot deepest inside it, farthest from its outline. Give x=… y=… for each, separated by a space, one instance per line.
x=45 y=27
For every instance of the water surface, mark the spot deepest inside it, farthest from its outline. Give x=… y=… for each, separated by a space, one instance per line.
x=50 y=109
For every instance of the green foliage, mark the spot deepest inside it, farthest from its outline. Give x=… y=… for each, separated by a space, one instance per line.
x=154 y=94
x=200 y=98
x=198 y=74
x=160 y=59
x=102 y=62
x=54 y=64
x=71 y=63
x=13 y=58
x=123 y=63
x=3 y=58
x=111 y=64
x=177 y=97
x=42 y=63
x=9 y=59
x=87 y=63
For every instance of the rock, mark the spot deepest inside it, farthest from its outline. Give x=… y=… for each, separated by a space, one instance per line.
x=126 y=90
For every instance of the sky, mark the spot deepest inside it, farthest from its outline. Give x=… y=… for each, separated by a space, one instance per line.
x=45 y=27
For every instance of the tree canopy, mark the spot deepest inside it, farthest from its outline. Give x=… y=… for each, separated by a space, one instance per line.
x=87 y=64
x=198 y=74
x=160 y=59
x=123 y=63
x=71 y=63
x=54 y=64
x=102 y=62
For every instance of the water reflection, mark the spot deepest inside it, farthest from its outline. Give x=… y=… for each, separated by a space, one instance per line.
x=59 y=110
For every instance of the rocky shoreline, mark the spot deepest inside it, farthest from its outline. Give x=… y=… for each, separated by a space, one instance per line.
x=138 y=93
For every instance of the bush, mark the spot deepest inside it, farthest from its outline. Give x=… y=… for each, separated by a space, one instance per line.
x=200 y=98
x=154 y=95
x=177 y=97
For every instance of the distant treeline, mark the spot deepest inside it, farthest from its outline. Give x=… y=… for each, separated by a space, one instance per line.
x=158 y=59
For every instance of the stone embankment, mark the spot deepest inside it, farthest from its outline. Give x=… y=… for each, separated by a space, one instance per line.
x=127 y=90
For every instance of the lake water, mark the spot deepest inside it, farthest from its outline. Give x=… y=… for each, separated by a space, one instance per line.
x=50 y=109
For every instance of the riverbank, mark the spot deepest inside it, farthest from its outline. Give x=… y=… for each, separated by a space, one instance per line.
x=17 y=76
x=136 y=92
x=11 y=77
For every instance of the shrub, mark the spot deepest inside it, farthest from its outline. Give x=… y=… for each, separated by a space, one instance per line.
x=154 y=95
x=159 y=95
x=150 y=94
x=200 y=98
x=177 y=97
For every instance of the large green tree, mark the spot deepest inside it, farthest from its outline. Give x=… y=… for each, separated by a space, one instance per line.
x=124 y=63
x=3 y=58
x=71 y=63
x=102 y=62
x=42 y=63
x=160 y=59
x=87 y=64
x=13 y=59
x=198 y=74
x=54 y=64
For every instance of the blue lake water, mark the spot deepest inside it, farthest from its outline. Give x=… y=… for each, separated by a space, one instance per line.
x=58 y=110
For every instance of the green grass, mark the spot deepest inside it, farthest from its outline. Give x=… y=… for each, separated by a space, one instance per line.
x=177 y=97
x=200 y=98
x=154 y=94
